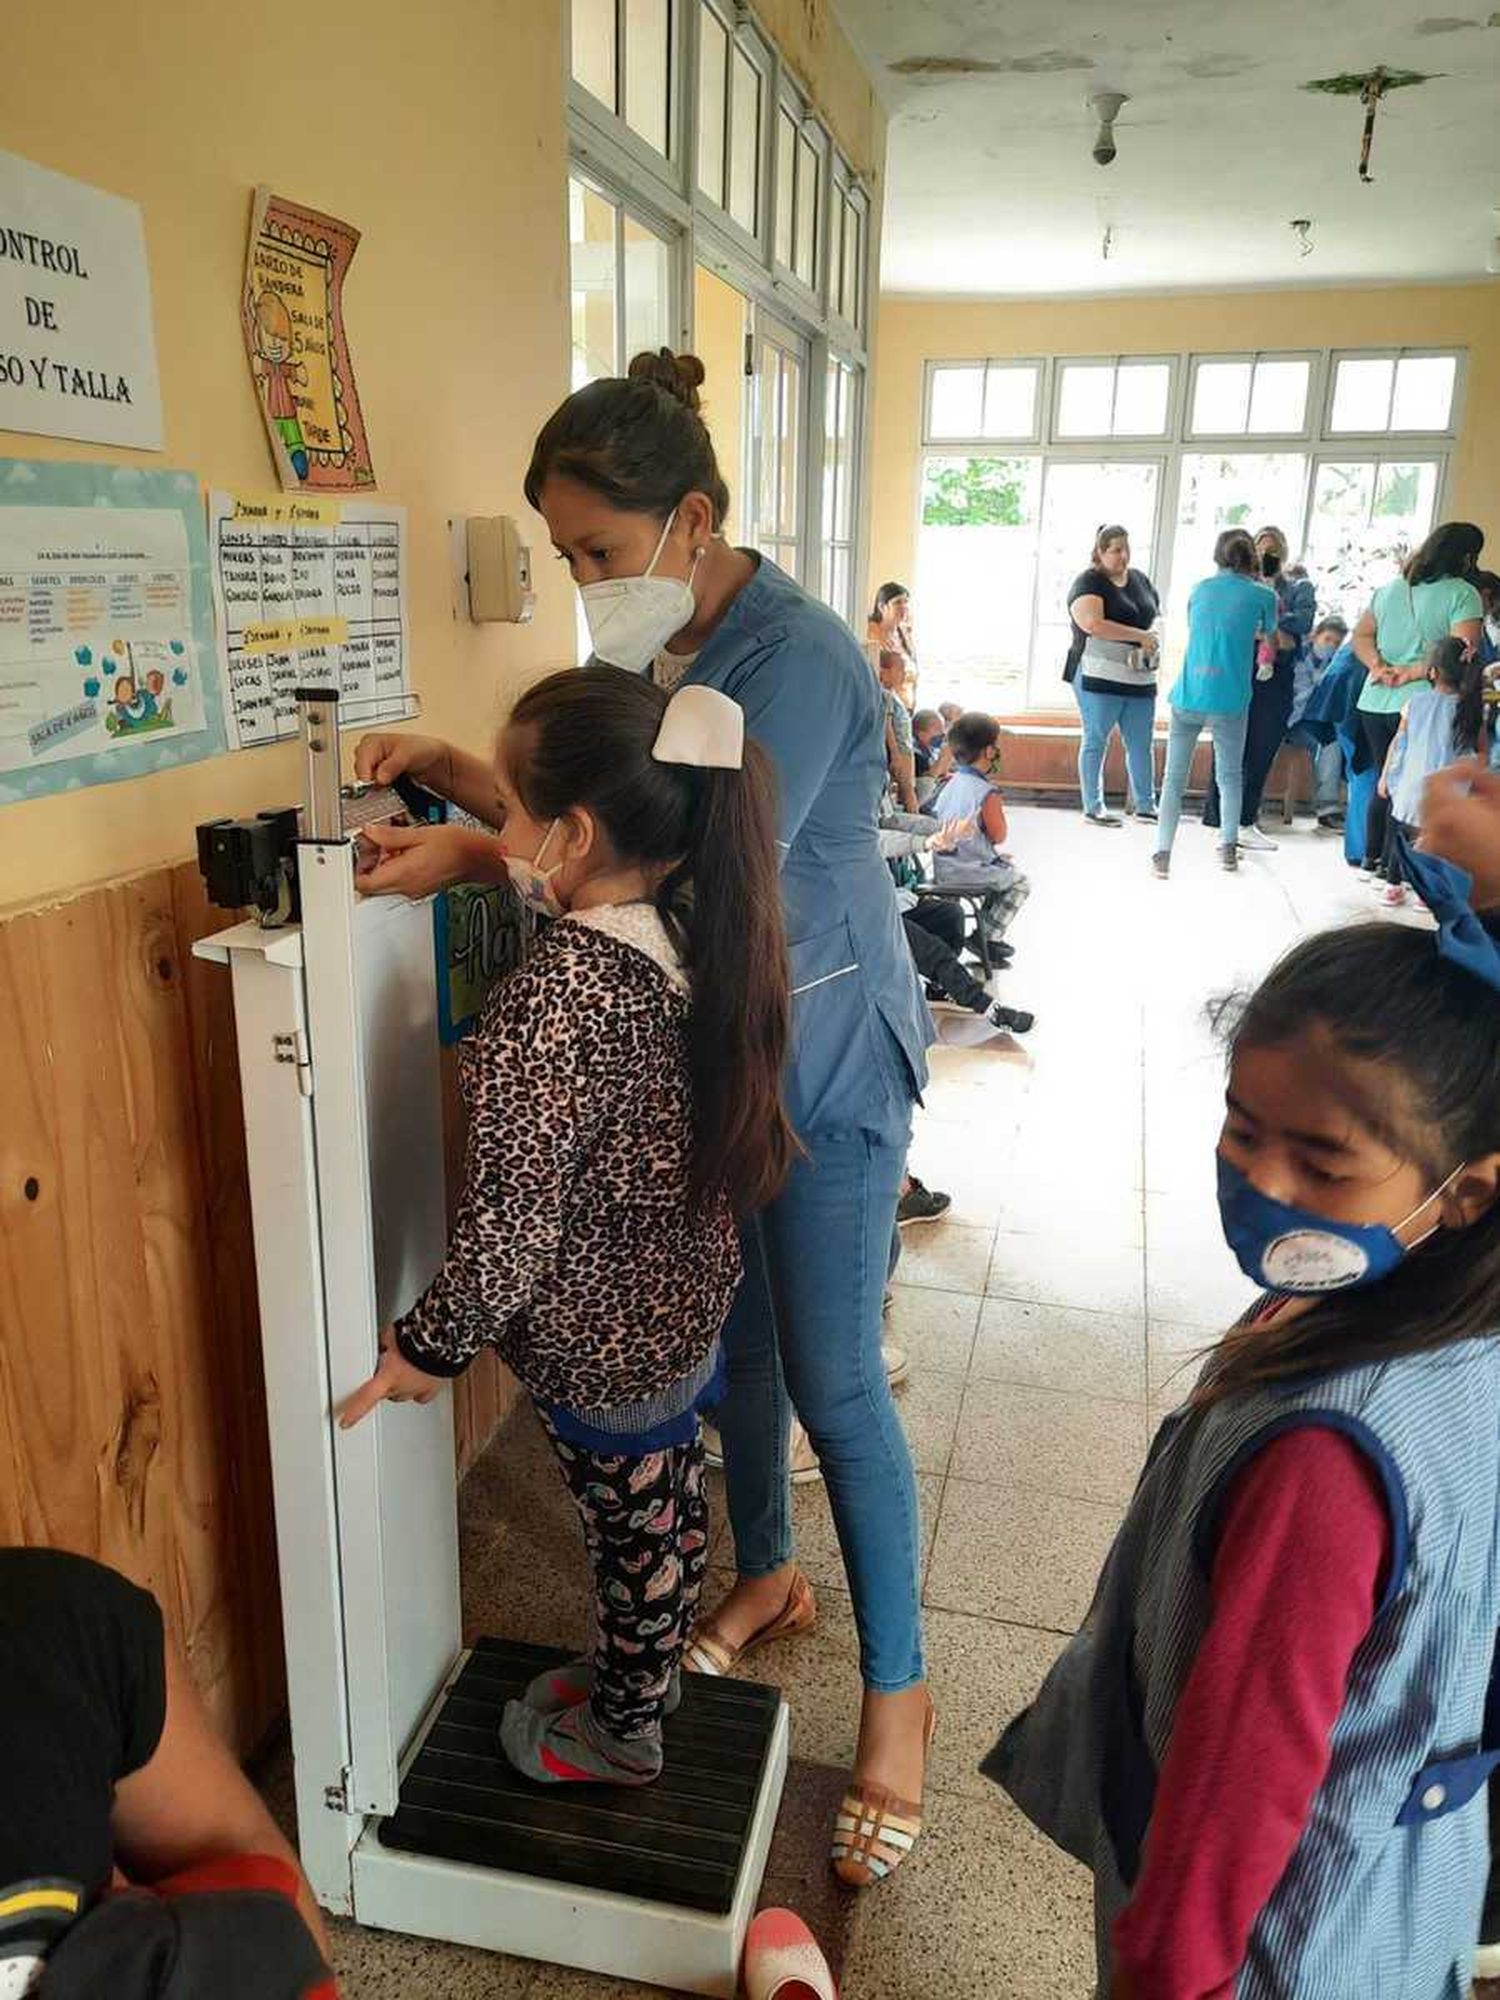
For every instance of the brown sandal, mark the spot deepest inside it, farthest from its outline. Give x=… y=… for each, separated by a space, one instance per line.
x=874 y=1831
x=709 y=1652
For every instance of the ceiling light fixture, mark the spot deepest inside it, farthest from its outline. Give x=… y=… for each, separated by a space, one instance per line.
x=1106 y=106
x=1302 y=230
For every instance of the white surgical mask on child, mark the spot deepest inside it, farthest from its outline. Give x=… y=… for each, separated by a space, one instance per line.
x=533 y=883
x=630 y=618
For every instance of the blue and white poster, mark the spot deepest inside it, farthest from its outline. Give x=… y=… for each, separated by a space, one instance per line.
x=107 y=660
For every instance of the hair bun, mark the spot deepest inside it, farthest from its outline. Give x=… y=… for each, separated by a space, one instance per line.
x=681 y=375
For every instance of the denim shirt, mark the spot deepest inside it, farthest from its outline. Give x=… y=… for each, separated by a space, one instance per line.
x=860 y=1027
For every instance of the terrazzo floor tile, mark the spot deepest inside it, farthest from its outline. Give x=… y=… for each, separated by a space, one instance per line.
x=985 y=1906
x=946 y=1258
x=1067 y=1271
x=1061 y=1347
x=981 y=1674
x=1005 y=1552
x=935 y=1328
x=928 y=1404
x=1079 y=1447
x=384 y=1965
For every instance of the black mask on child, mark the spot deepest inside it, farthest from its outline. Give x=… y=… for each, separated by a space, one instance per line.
x=1270 y=565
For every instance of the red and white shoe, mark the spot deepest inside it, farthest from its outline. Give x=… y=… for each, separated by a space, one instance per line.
x=783 y=1962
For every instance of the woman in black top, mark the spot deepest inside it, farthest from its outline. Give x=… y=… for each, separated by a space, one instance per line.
x=1112 y=668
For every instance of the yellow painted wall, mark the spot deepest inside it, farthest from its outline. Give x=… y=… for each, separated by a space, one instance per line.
x=719 y=319
x=436 y=130
x=821 y=56
x=914 y=331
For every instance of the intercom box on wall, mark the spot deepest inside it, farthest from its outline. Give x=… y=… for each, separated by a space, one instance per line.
x=499 y=564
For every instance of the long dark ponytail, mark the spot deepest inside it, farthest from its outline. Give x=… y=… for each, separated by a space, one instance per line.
x=1430 y=1033
x=585 y=737
x=1462 y=674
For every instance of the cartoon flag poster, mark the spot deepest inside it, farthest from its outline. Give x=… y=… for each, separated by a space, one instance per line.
x=293 y=315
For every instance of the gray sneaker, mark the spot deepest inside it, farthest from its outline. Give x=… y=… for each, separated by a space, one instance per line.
x=1229 y=860
x=1256 y=842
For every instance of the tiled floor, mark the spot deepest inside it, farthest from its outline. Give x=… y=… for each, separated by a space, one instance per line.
x=1047 y=1321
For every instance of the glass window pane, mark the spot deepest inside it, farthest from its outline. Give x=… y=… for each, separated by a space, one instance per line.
x=1278 y=401
x=854 y=229
x=1221 y=398
x=786 y=159
x=976 y=576
x=1362 y=395
x=1226 y=490
x=1010 y=402
x=832 y=394
x=791 y=445
x=767 y=406
x=805 y=262
x=744 y=165
x=838 y=222
x=648 y=33
x=1143 y=390
x=1424 y=392
x=1077 y=497
x=1085 y=402
x=957 y=403
x=1405 y=498
x=713 y=58
x=592 y=284
x=648 y=290
x=594 y=48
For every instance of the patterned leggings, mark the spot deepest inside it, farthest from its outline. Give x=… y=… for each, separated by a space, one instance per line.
x=645 y=1525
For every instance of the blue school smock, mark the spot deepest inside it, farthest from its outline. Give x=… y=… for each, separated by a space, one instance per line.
x=860 y=1026
x=1382 y=1894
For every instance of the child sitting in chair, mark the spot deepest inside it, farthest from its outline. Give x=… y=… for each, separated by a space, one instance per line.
x=973 y=794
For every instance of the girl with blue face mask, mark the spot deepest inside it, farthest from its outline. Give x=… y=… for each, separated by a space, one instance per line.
x=1269 y=1741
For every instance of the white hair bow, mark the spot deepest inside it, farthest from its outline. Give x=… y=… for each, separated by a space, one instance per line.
x=702 y=727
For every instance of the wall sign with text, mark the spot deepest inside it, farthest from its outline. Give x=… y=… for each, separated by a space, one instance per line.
x=77 y=349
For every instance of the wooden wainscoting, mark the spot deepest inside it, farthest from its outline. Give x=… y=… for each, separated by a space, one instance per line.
x=132 y=1407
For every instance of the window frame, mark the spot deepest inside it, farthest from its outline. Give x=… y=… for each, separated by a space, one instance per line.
x=1315 y=444
x=1061 y=363
x=1449 y=436
x=1034 y=439
x=1317 y=360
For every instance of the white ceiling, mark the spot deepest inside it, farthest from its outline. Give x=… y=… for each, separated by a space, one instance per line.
x=991 y=190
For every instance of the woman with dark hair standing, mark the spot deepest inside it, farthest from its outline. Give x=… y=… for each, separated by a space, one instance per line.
x=625 y=475
x=888 y=630
x=1433 y=598
x=1228 y=614
x=1272 y=696
x=1112 y=667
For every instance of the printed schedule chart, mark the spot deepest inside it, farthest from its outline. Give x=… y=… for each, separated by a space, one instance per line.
x=309 y=593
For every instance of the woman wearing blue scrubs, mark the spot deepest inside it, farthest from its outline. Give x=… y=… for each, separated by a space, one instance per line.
x=625 y=475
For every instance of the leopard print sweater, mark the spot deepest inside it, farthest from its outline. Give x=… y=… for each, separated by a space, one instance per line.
x=574 y=1251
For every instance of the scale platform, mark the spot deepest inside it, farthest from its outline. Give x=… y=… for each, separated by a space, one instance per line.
x=679 y=1841
x=657 y=1884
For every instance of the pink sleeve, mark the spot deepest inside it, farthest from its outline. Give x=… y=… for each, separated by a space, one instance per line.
x=1303 y=1546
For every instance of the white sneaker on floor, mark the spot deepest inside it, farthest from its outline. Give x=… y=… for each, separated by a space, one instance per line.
x=897 y=1362
x=1256 y=842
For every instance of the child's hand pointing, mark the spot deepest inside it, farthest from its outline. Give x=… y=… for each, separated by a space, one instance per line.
x=394 y=1381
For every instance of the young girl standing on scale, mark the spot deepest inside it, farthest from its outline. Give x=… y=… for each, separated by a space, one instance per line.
x=624 y=1102
x=1269 y=1740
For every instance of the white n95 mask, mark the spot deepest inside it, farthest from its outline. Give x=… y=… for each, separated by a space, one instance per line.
x=630 y=618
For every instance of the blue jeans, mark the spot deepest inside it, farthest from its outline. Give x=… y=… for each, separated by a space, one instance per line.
x=1228 y=732
x=1134 y=716
x=806 y=1320
x=1328 y=767
x=1361 y=791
